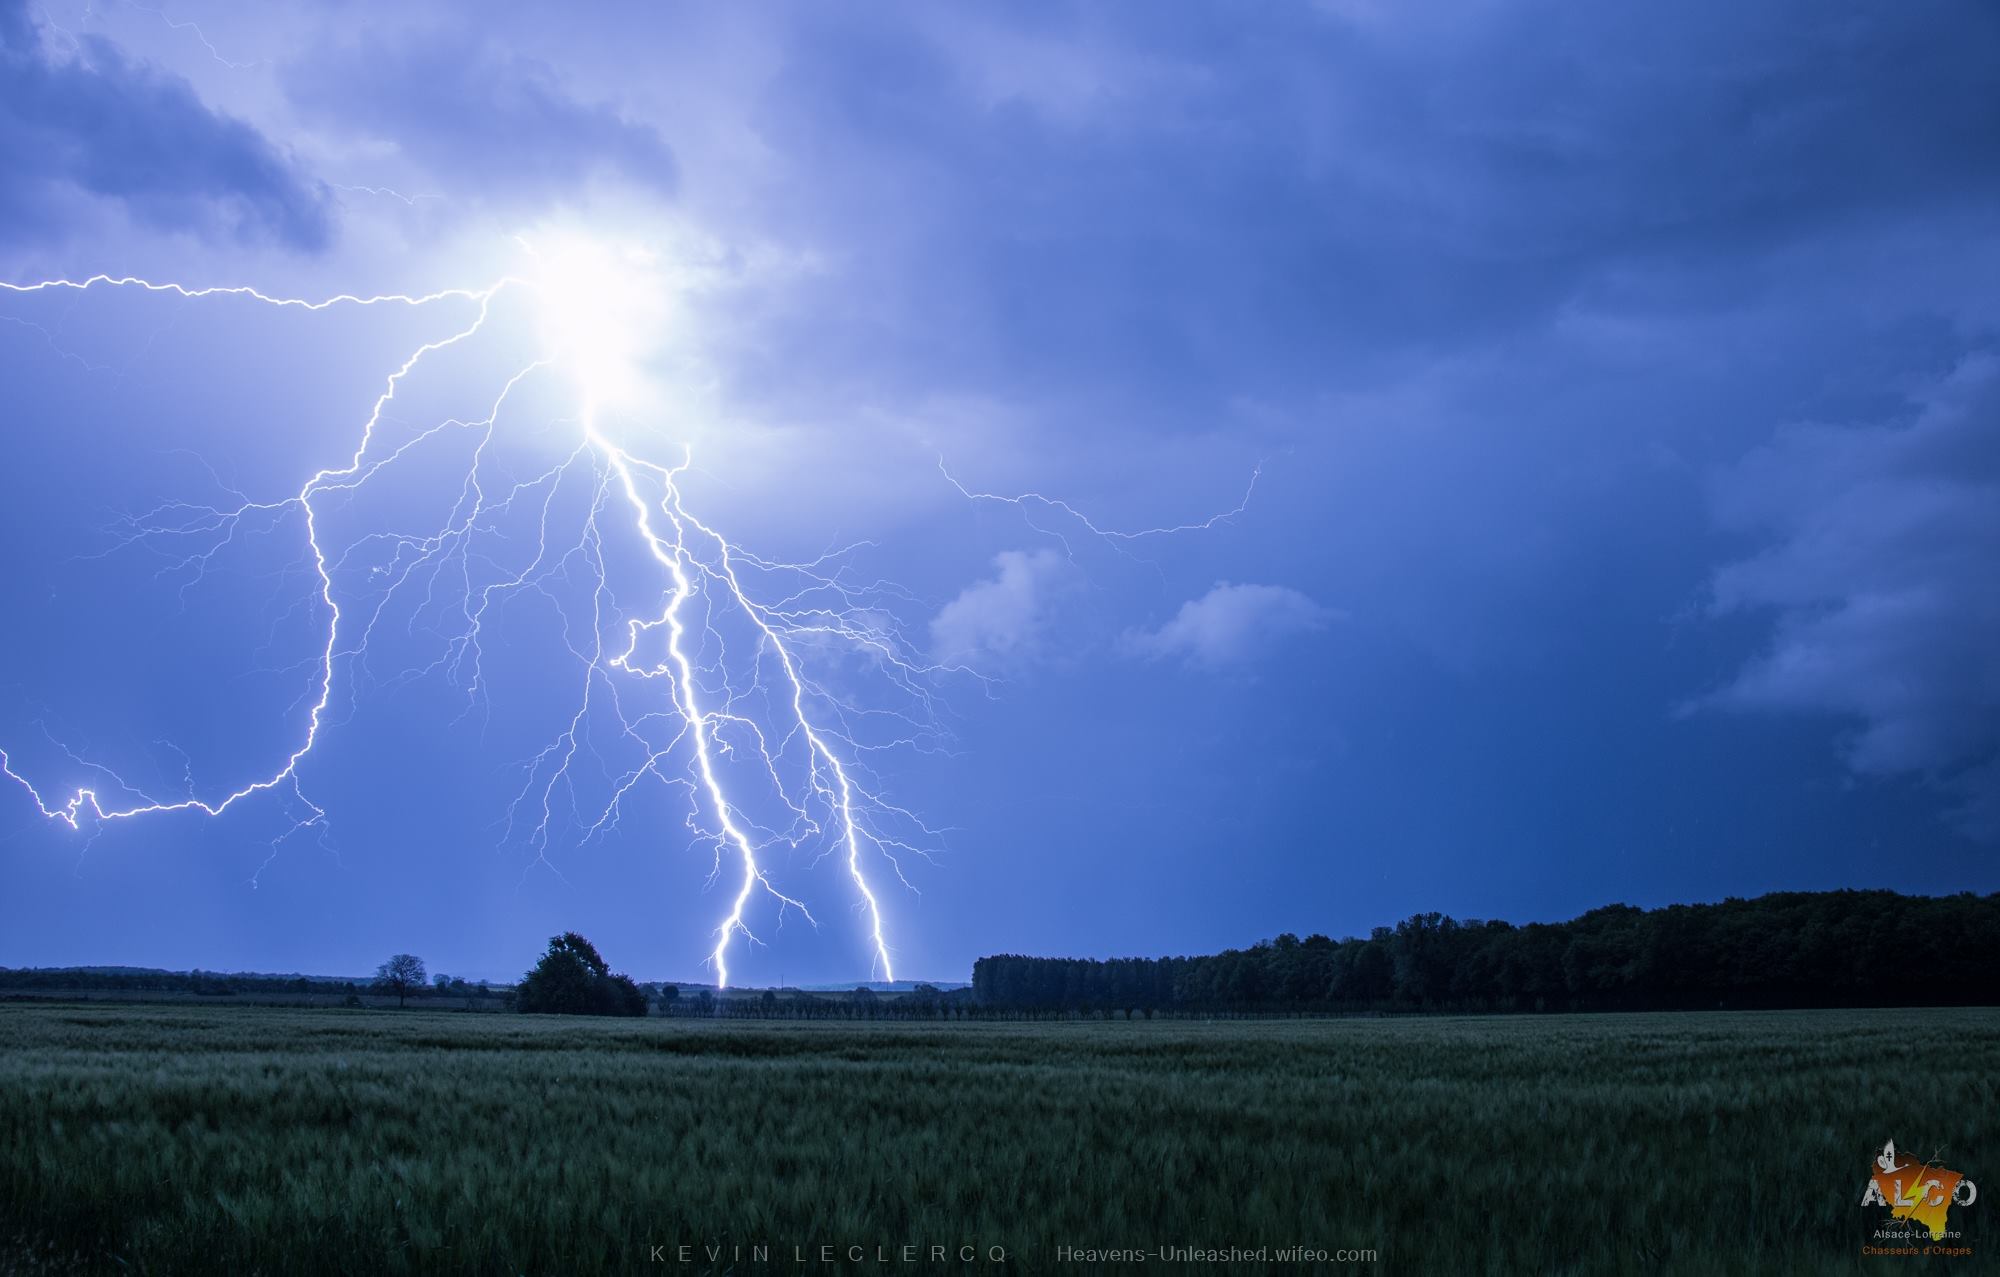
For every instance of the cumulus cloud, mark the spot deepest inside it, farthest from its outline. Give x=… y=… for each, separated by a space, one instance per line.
x=1231 y=624
x=1002 y=620
x=93 y=123
x=470 y=111
x=1884 y=576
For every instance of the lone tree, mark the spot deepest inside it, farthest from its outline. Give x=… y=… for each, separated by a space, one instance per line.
x=573 y=979
x=399 y=975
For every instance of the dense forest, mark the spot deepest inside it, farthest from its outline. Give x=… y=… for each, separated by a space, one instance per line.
x=1795 y=949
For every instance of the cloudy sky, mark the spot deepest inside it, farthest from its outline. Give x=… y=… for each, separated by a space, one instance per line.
x=1620 y=387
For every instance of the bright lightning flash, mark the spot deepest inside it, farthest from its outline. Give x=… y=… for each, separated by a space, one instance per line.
x=599 y=311
x=707 y=683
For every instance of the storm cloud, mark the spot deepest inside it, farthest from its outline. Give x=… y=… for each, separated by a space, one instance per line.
x=1882 y=576
x=481 y=121
x=85 y=120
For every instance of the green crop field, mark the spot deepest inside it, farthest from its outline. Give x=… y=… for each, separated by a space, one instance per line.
x=245 y=1140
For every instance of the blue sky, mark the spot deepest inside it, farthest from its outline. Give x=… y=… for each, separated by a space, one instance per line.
x=1625 y=386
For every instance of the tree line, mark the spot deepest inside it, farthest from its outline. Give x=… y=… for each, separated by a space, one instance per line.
x=225 y=984
x=921 y=1002
x=1790 y=949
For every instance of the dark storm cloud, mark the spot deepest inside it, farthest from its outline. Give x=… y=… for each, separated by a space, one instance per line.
x=1282 y=198
x=95 y=122
x=1600 y=250
x=1884 y=574
x=485 y=121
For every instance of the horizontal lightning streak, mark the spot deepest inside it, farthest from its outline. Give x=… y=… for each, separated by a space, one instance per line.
x=1108 y=534
x=240 y=290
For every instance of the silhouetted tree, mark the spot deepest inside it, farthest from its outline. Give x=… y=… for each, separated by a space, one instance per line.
x=618 y=995
x=572 y=978
x=401 y=974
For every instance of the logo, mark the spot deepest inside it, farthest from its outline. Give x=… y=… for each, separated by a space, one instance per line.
x=1920 y=1192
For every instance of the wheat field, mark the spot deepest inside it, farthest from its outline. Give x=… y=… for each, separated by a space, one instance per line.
x=250 y=1140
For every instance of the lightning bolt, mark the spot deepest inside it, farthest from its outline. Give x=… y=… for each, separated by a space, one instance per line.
x=199 y=35
x=718 y=706
x=387 y=192
x=706 y=689
x=1028 y=501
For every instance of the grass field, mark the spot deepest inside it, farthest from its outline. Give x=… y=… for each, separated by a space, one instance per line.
x=195 y=1139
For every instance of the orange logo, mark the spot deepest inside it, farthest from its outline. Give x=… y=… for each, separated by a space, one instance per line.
x=1921 y=1192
